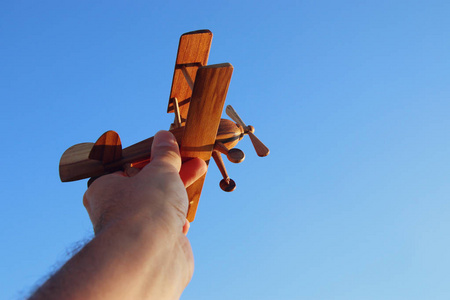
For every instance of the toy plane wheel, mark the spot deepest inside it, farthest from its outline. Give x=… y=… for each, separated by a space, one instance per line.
x=235 y=155
x=227 y=185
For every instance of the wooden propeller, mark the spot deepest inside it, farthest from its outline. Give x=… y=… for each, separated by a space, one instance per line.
x=260 y=148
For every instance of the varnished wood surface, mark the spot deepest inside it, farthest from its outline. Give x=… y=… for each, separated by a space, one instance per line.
x=75 y=163
x=202 y=124
x=229 y=133
x=198 y=94
x=107 y=148
x=260 y=148
x=193 y=52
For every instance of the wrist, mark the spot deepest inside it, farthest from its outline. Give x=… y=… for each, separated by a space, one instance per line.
x=141 y=223
x=147 y=253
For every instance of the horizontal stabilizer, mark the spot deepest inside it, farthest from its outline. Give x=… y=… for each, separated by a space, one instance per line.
x=75 y=163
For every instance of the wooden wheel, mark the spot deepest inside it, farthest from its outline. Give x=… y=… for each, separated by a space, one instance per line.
x=227 y=185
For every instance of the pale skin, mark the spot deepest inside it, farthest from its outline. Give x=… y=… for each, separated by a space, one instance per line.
x=140 y=249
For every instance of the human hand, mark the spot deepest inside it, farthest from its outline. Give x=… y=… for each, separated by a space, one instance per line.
x=158 y=190
x=139 y=250
x=154 y=203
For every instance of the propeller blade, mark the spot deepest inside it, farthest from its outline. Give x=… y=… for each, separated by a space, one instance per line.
x=260 y=148
x=234 y=116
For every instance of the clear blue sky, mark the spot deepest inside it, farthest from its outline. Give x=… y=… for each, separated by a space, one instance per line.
x=352 y=98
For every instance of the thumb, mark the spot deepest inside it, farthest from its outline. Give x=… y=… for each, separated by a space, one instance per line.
x=165 y=152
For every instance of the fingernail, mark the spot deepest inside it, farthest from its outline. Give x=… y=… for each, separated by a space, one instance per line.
x=164 y=138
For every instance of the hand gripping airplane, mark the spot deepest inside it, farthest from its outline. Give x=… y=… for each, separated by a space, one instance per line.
x=197 y=99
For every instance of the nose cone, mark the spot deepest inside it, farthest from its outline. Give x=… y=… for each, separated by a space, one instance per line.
x=229 y=133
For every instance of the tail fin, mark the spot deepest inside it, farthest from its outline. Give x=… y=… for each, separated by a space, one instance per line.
x=88 y=159
x=107 y=148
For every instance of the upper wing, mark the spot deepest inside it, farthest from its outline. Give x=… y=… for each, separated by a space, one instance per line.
x=208 y=98
x=193 y=52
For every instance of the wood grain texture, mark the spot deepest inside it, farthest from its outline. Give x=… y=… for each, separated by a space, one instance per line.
x=229 y=133
x=107 y=148
x=75 y=163
x=260 y=148
x=193 y=52
x=202 y=124
x=220 y=164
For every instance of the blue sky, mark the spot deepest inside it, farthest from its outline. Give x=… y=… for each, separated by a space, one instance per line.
x=352 y=98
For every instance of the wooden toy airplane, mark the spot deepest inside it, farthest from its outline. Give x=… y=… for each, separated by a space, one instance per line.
x=197 y=98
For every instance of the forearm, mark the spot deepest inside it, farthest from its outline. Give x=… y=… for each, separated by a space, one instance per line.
x=139 y=251
x=128 y=260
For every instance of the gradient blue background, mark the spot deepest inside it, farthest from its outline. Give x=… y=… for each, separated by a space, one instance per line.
x=352 y=98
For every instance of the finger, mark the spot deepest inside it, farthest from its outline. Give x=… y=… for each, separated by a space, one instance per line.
x=165 y=152
x=86 y=203
x=186 y=227
x=130 y=171
x=192 y=170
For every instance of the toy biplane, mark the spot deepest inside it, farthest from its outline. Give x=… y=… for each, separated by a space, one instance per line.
x=197 y=99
